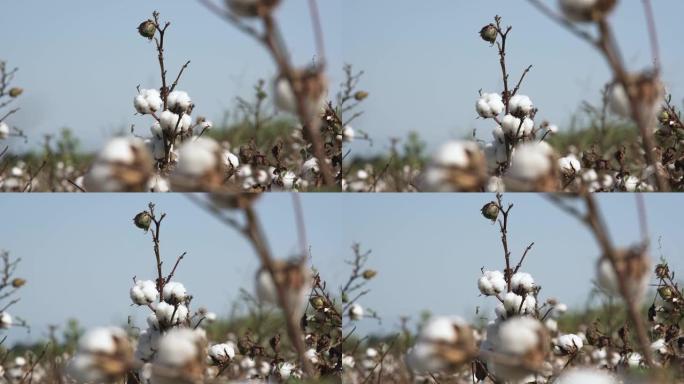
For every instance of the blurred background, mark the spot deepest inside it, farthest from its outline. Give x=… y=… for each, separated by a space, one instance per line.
x=429 y=249
x=80 y=253
x=425 y=62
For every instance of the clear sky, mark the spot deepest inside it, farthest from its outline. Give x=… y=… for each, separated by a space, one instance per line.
x=429 y=249
x=425 y=62
x=80 y=60
x=80 y=253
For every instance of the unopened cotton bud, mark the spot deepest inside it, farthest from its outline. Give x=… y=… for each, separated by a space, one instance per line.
x=489 y=33
x=317 y=302
x=18 y=282
x=369 y=274
x=143 y=220
x=490 y=211
x=15 y=92
x=360 y=95
x=147 y=29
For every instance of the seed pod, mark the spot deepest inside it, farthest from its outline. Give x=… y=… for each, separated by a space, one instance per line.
x=369 y=274
x=147 y=29
x=490 y=211
x=317 y=302
x=360 y=95
x=143 y=220
x=489 y=33
x=16 y=92
x=666 y=293
x=18 y=282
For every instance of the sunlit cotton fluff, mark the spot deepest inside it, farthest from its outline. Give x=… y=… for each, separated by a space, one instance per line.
x=222 y=353
x=174 y=292
x=568 y=344
x=348 y=133
x=492 y=283
x=200 y=165
x=4 y=130
x=169 y=315
x=522 y=339
x=532 y=167
x=144 y=292
x=515 y=127
x=514 y=304
x=179 y=102
x=148 y=101
x=181 y=357
x=103 y=355
x=489 y=105
x=174 y=123
x=444 y=344
x=456 y=166
x=231 y=160
x=522 y=282
x=520 y=105
x=586 y=376
x=569 y=165
x=356 y=312
x=5 y=320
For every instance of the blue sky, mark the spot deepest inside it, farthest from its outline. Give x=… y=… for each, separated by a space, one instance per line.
x=80 y=252
x=429 y=249
x=80 y=60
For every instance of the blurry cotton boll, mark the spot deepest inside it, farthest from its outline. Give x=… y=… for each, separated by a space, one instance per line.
x=635 y=265
x=173 y=123
x=287 y=180
x=296 y=280
x=489 y=105
x=310 y=169
x=533 y=168
x=4 y=130
x=144 y=292
x=170 y=315
x=231 y=161
x=179 y=102
x=181 y=357
x=568 y=344
x=200 y=166
x=569 y=165
x=251 y=8
x=103 y=355
x=513 y=126
x=348 y=133
x=123 y=165
x=444 y=344
x=456 y=166
x=5 y=320
x=648 y=91
x=586 y=10
x=514 y=304
x=174 y=292
x=148 y=101
x=222 y=353
x=356 y=312
x=313 y=86
x=520 y=105
x=524 y=341
x=586 y=376
x=158 y=184
x=492 y=283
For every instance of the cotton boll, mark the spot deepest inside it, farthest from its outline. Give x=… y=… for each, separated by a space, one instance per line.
x=513 y=126
x=158 y=184
x=144 y=292
x=586 y=376
x=288 y=180
x=222 y=353
x=313 y=87
x=180 y=357
x=514 y=304
x=348 y=361
x=123 y=165
x=348 y=133
x=586 y=10
x=285 y=370
x=648 y=91
x=619 y=101
x=533 y=167
x=456 y=166
x=4 y=130
x=230 y=160
x=148 y=101
x=569 y=165
x=492 y=283
x=636 y=266
x=444 y=344
x=179 y=102
x=495 y=153
x=103 y=355
x=296 y=279
x=490 y=105
x=5 y=320
x=568 y=344
x=520 y=338
x=169 y=315
x=356 y=312
x=156 y=130
x=148 y=341
x=174 y=292
x=520 y=105
x=310 y=169
x=250 y=8
x=173 y=123
x=522 y=283
x=200 y=166
x=311 y=355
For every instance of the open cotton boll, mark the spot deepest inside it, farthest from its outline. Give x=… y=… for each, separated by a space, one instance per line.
x=103 y=355
x=514 y=304
x=523 y=338
x=495 y=153
x=169 y=315
x=522 y=282
x=4 y=130
x=492 y=283
x=174 y=292
x=179 y=102
x=123 y=165
x=586 y=376
x=520 y=105
x=144 y=292
x=444 y=343
x=285 y=370
x=489 y=105
x=158 y=184
x=533 y=167
x=568 y=344
x=348 y=133
x=569 y=165
x=148 y=342
x=169 y=122
x=310 y=169
x=230 y=160
x=200 y=165
x=356 y=312
x=220 y=353
x=5 y=320
x=148 y=101
x=454 y=154
x=513 y=126
x=180 y=357
x=100 y=340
